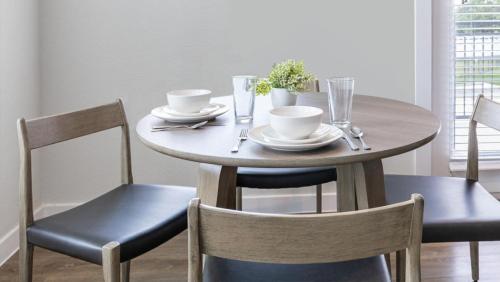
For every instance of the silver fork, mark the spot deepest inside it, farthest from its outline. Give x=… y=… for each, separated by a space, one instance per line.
x=243 y=136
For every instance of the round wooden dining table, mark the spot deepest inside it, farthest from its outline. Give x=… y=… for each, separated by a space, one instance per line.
x=391 y=128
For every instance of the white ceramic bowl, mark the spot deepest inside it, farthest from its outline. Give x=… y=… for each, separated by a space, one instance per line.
x=295 y=122
x=188 y=100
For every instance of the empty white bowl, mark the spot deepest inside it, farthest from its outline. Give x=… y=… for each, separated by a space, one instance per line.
x=188 y=100
x=295 y=122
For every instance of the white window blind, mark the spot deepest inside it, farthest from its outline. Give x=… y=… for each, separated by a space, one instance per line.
x=477 y=71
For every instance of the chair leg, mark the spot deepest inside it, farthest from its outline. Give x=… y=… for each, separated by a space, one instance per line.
x=25 y=262
x=388 y=263
x=474 y=260
x=111 y=262
x=319 y=198
x=401 y=266
x=239 y=198
x=125 y=271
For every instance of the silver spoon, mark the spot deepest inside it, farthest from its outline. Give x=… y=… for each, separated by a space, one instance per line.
x=356 y=132
x=194 y=126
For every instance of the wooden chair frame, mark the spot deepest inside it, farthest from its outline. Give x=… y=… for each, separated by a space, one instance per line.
x=230 y=234
x=486 y=112
x=41 y=132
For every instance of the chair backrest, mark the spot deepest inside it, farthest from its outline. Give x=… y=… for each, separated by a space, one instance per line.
x=44 y=131
x=337 y=237
x=312 y=86
x=486 y=112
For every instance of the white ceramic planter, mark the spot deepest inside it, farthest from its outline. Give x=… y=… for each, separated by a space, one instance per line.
x=280 y=97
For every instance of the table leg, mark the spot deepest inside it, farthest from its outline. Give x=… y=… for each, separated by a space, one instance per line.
x=370 y=189
x=217 y=185
x=346 y=196
x=369 y=182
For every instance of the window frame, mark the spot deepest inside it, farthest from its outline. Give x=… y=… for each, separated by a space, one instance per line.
x=456 y=156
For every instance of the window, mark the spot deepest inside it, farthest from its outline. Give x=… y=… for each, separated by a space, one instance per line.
x=477 y=71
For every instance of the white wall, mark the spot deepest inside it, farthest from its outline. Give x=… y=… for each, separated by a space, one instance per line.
x=442 y=70
x=94 y=51
x=19 y=86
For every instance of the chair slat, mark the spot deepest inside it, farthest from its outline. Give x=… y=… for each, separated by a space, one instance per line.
x=487 y=112
x=312 y=86
x=306 y=238
x=54 y=129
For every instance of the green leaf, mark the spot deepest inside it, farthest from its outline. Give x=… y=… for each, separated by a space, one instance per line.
x=290 y=75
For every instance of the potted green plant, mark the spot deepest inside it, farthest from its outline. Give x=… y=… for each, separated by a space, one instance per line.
x=284 y=82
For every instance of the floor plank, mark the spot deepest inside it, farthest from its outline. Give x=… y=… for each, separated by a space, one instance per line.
x=440 y=263
x=168 y=263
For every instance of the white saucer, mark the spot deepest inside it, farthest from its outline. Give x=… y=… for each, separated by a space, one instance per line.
x=323 y=130
x=162 y=114
x=256 y=136
x=204 y=112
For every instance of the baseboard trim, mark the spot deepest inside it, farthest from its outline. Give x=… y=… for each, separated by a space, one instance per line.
x=286 y=203
x=50 y=209
x=9 y=243
x=289 y=203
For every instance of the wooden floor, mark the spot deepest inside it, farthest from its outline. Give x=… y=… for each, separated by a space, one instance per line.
x=440 y=263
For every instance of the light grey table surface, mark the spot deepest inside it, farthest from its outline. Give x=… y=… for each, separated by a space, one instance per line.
x=391 y=128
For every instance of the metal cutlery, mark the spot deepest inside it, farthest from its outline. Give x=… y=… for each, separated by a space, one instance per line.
x=356 y=132
x=167 y=127
x=243 y=136
x=213 y=123
x=349 y=141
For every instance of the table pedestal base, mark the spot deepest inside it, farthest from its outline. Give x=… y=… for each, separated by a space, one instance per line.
x=360 y=186
x=217 y=185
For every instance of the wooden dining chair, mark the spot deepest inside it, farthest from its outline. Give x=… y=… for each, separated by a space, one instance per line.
x=279 y=178
x=457 y=209
x=242 y=246
x=110 y=230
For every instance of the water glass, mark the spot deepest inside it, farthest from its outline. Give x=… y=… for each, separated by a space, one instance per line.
x=340 y=92
x=244 y=87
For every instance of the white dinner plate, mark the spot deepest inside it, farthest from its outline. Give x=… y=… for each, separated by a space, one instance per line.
x=162 y=114
x=255 y=135
x=204 y=112
x=323 y=130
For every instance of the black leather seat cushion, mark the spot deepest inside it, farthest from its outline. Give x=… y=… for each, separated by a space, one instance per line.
x=266 y=178
x=455 y=209
x=139 y=217
x=372 y=269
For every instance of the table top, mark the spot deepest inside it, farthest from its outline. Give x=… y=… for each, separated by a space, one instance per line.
x=391 y=128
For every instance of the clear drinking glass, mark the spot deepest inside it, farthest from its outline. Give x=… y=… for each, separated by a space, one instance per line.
x=244 y=95
x=340 y=92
